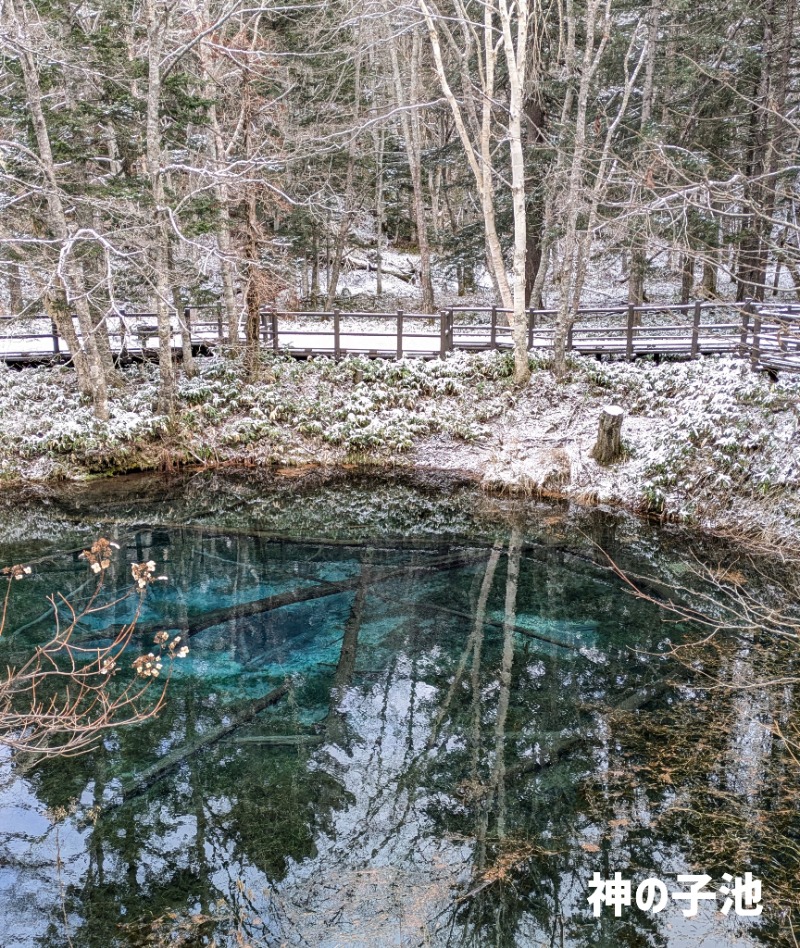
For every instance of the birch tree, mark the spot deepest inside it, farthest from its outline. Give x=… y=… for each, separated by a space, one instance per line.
x=219 y=153
x=581 y=193
x=412 y=138
x=18 y=31
x=157 y=20
x=504 y=30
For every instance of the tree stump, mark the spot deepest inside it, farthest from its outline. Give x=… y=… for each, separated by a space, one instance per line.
x=609 y=435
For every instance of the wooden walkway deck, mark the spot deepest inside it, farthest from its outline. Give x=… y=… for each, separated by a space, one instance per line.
x=768 y=334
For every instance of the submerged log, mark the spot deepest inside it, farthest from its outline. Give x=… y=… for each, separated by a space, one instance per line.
x=192 y=625
x=608 y=447
x=321 y=591
x=161 y=768
x=280 y=740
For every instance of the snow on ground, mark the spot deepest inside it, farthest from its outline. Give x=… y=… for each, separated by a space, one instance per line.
x=705 y=441
x=606 y=282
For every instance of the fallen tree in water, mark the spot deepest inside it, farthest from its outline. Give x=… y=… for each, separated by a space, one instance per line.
x=139 y=784
x=193 y=625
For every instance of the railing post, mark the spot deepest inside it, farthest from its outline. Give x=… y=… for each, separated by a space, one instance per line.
x=219 y=323
x=399 y=334
x=531 y=327
x=696 y=329
x=755 y=351
x=782 y=333
x=273 y=318
x=337 y=348
x=493 y=331
x=442 y=333
x=450 y=330
x=56 y=344
x=629 y=332
x=569 y=337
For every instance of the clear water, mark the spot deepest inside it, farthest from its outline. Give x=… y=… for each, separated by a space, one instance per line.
x=455 y=755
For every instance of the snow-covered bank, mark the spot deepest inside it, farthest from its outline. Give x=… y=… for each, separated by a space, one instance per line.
x=707 y=441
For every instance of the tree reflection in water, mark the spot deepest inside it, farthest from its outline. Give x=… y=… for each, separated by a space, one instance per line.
x=477 y=717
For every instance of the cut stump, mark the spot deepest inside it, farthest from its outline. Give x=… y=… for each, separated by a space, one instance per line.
x=608 y=447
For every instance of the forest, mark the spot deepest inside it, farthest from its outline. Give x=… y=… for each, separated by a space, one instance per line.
x=162 y=155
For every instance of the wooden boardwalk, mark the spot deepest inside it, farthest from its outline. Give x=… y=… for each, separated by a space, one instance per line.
x=768 y=334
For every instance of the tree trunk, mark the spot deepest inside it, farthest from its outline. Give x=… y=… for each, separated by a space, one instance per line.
x=304 y=276
x=314 y=290
x=478 y=153
x=687 y=277
x=219 y=157
x=253 y=294
x=638 y=266
x=159 y=255
x=574 y=184
x=184 y=316
x=770 y=133
x=57 y=308
x=498 y=777
x=516 y=54
x=335 y=723
x=349 y=196
x=194 y=625
x=413 y=142
x=379 y=142
x=235 y=720
x=341 y=238
x=608 y=447
x=709 y=279
x=638 y=262
x=536 y=122
x=252 y=328
x=580 y=210
x=88 y=365
x=15 y=296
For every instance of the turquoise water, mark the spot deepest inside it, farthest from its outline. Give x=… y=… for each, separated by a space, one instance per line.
x=459 y=743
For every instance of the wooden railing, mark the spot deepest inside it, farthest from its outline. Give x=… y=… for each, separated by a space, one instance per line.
x=764 y=333
x=691 y=329
x=773 y=340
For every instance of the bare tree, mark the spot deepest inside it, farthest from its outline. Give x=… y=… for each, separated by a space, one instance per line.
x=157 y=17
x=578 y=200
x=412 y=138
x=476 y=134
x=69 y=277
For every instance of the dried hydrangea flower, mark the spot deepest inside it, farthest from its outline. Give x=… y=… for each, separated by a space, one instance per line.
x=98 y=556
x=143 y=573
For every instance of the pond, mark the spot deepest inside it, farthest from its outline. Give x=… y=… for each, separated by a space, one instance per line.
x=411 y=714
